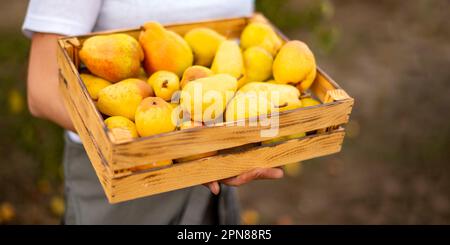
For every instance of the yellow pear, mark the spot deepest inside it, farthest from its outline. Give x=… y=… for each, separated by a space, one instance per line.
x=154 y=116
x=204 y=43
x=121 y=128
x=229 y=60
x=122 y=98
x=260 y=34
x=247 y=105
x=158 y=164
x=258 y=64
x=205 y=99
x=284 y=97
x=309 y=102
x=164 y=84
x=193 y=73
x=295 y=64
x=164 y=50
x=113 y=57
x=94 y=84
x=193 y=124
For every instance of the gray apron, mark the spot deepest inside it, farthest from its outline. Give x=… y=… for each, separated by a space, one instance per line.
x=86 y=202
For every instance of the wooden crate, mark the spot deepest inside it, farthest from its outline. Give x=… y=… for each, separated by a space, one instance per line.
x=116 y=162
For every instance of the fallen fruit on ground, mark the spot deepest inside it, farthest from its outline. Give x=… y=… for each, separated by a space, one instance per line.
x=293 y=169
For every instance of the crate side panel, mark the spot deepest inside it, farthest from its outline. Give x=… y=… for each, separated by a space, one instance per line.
x=93 y=152
x=322 y=84
x=230 y=28
x=224 y=166
x=83 y=103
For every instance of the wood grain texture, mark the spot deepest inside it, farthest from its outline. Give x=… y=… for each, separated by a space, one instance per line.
x=223 y=166
x=98 y=162
x=230 y=28
x=321 y=85
x=189 y=142
x=91 y=120
x=336 y=95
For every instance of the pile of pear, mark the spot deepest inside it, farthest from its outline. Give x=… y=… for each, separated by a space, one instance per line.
x=147 y=85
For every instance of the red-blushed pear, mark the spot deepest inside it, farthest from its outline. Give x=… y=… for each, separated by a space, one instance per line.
x=193 y=73
x=112 y=57
x=164 y=50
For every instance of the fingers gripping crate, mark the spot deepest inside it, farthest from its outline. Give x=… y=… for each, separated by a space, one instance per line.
x=118 y=164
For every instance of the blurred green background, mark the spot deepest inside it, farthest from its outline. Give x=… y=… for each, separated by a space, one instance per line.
x=392 y=56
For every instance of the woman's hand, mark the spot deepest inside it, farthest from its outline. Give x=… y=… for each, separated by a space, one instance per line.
x=255 y=174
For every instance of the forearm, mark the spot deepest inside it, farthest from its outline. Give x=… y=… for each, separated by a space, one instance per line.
x=44 y=98
x=49 y=105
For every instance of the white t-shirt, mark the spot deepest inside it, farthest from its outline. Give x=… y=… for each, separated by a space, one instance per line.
x=69 y=17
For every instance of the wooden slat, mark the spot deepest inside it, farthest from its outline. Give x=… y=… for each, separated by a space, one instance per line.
x=230 y=28
x=223 y=166
x=82 y=102
x=322 y=84
x=92 y=149
x=336 y=95
x=200 y=140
